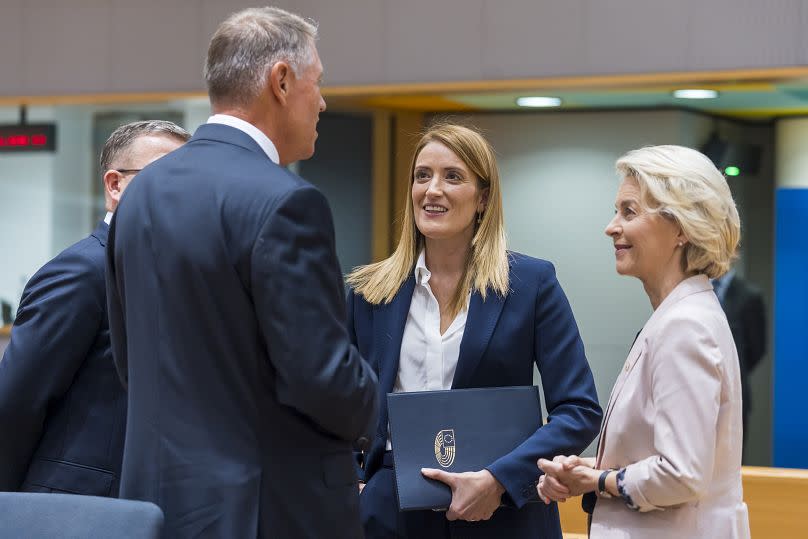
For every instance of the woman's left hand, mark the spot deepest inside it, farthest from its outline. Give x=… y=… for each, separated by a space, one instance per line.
x=475 y=495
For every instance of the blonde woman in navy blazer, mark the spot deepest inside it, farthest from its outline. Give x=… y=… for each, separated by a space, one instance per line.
x=669 y=458
x=451 y=308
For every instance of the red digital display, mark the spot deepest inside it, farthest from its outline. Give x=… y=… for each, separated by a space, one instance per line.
x=27 y=138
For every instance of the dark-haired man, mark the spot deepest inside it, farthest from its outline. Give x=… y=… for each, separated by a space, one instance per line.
x=62 y=407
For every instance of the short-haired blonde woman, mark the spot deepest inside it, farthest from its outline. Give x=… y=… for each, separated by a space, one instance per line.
x=669 y=458
x=451 y=308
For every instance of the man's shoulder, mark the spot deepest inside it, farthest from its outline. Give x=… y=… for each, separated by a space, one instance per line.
x=743 y=288
x=86 y=256
x=88 y=251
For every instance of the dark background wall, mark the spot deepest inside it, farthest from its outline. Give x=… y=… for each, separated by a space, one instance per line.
x=341 y=169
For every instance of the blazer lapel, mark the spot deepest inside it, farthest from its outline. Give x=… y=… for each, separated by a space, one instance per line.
x=390 y=320
x=480 y=322
x=633 y=356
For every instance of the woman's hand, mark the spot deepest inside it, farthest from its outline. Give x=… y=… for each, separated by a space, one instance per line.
x=552 y=490
x=566 y=476
x=475 y=495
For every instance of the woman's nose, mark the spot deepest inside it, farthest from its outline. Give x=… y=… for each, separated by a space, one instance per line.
x=434 y=187
x=612 y=228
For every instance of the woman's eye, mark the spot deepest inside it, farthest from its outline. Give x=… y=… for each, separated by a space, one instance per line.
x=454 y=176
x=421 y=175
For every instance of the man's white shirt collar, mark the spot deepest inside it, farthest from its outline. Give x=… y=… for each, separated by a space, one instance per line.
x=108 y=217
x=256 y=134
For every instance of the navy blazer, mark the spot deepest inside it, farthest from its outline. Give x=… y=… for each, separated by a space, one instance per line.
x=503 y=339
x=62 y=407
x=228 y=325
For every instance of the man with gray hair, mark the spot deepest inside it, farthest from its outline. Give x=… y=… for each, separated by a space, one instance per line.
x=227 y=313
x=62 y=408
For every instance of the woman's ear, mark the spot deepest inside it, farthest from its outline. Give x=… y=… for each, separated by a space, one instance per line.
x=681 y=239
x=483 y=203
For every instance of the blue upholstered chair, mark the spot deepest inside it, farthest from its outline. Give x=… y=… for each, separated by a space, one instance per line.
x=68 y=516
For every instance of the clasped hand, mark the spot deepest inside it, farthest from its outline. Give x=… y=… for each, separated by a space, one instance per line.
x=565 y=477
x=475 y=495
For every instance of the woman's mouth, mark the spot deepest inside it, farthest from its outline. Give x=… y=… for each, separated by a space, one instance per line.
x=435 y=209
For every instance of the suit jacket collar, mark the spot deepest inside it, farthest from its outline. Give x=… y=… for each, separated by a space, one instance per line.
x=227 y=135
x=389 y=333
x=482 y=318
x=480 y=323
x=101 y=233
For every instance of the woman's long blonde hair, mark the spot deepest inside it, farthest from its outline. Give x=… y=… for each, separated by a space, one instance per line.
x=487 y=265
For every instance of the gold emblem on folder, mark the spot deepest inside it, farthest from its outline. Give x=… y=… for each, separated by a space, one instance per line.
x=445 y=447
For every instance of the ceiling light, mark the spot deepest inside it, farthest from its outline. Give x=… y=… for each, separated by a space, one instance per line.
x=538 y=101
x=695 y=93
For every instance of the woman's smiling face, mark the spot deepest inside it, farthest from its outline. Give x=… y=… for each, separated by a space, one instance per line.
x=446 y=197
x=644 y=242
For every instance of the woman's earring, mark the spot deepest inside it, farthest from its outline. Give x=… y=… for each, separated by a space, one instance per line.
x=479 y=217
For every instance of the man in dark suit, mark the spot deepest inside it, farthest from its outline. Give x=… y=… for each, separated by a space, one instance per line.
x=746 y=314
x=227 y=313
x=62 y=407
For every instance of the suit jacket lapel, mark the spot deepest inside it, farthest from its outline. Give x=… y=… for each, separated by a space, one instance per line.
x=480 y=322
x=389 y=327
x=390 y=330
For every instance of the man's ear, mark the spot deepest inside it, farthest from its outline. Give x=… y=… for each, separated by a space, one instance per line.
x=280 y=81
x=112 y=184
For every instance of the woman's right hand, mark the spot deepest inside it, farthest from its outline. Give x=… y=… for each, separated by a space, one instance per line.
x=551 y=487
x=551 y=490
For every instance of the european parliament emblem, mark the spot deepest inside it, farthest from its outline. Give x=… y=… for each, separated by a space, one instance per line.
x=445 y=447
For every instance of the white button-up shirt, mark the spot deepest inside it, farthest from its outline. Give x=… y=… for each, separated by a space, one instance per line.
x=428 y=360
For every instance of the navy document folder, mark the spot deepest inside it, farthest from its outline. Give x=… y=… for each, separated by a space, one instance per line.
x=460 y=430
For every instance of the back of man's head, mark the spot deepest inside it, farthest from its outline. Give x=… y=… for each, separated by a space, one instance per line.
x=120 y=141
x=246 y=46
x=130 y=148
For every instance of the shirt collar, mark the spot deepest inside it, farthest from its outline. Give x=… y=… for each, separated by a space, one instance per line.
x=108 y=217
x=256 y=134
x=422 y=274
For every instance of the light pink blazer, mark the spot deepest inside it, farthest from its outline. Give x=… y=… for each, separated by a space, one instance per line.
x=674 y=422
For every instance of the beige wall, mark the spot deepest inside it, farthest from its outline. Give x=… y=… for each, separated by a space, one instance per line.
x=57 y=47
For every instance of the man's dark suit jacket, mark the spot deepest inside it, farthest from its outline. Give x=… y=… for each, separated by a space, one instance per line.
x=62 y=407
x=504 y=338
x=227 y=317
x=746 y=314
